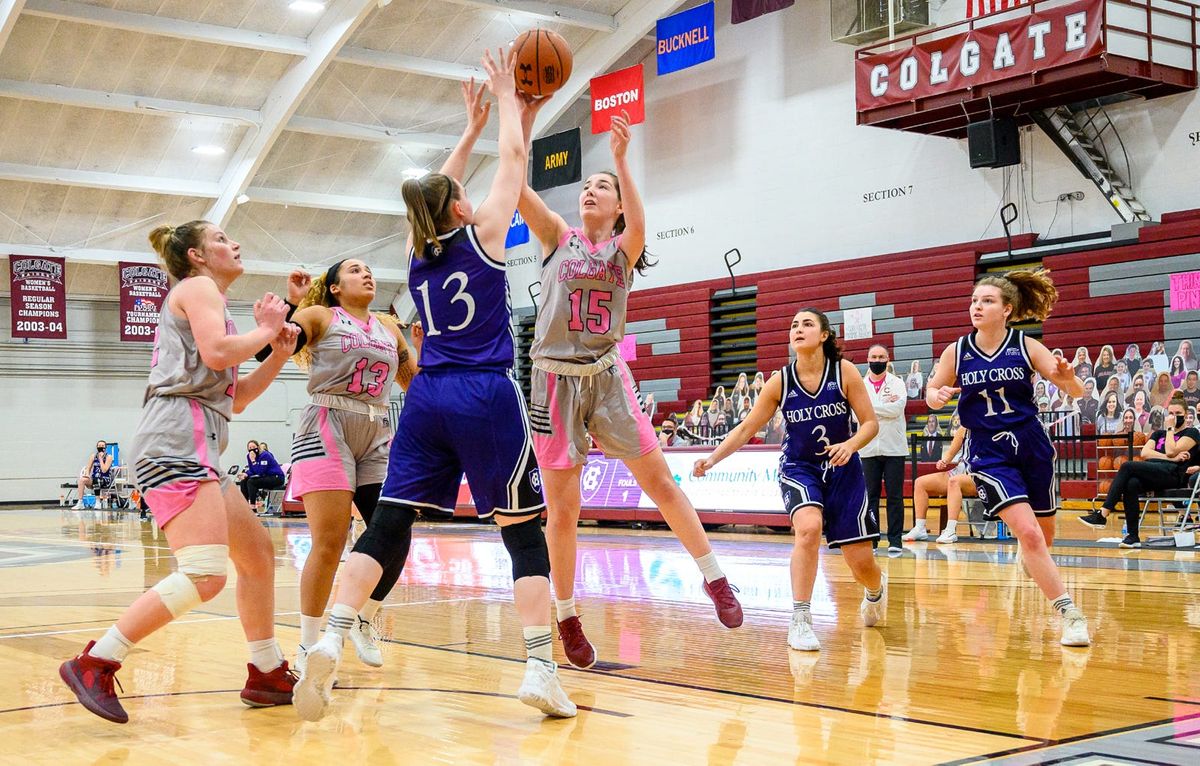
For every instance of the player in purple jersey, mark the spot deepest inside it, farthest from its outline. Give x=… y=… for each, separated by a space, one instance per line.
x=193 y=391
x=456 y=273
x=580 y=386
x=820 y=473
x=340 y=448
x=1010 y=456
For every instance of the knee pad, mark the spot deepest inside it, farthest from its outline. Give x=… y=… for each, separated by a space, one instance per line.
x=178 y=589
x=390 y=530
x=526 y=544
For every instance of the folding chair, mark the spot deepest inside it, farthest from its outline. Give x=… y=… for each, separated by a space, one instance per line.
x=1172 y=497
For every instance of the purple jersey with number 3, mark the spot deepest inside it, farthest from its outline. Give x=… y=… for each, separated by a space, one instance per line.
x=353 y=359
x=462 y=299
x=585 y=288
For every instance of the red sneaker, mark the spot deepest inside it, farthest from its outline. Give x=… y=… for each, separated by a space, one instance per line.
x=91 y=678
x=579 y=650
x=267 y=689
x=729 y=611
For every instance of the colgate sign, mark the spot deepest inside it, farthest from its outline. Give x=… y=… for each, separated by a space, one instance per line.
x=1044 y=39
x=613 y=92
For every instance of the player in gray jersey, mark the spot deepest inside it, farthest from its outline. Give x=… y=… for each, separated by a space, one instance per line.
x=340 y=448
x=581 y=387
x=193 y=392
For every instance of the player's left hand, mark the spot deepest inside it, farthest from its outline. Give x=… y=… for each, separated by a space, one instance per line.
x=839 y=454
x=619 y=135
x=297 y=286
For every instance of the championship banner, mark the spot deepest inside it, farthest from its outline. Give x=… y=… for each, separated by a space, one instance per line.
x=518 y=231
x=39 y=296
x=686 y=39
x=557 y=160
x=744 y=10
x=612 y=93
x=1047 y=38
x=143 y=289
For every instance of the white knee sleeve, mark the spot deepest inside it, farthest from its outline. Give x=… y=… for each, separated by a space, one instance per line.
x=178 y=590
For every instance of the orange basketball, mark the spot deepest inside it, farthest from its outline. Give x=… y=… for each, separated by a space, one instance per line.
x=1106 y=442
x=1119 y=461
x=1106 y=463
x=543 y=62
x=1139 y=438
x=1103 y=487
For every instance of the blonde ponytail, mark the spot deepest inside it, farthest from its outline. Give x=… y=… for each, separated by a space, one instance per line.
x=1030 y=293
x=428 y=202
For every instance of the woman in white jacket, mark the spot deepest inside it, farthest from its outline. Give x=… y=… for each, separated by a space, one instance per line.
x=883 y=457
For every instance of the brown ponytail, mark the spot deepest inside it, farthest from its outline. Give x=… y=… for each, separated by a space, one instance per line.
x=173 y=242
x=1030 y=293
x=831 y=346
x=428 y=201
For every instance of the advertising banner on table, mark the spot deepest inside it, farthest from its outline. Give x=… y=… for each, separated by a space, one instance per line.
x=38 y=290
x=1047 y=38
x=143 y=289
x=1185 y=291
x=686 y=39
x=557 y=160
x=611 y=93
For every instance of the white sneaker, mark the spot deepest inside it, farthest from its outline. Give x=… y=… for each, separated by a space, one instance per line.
x=366 y=643
x=875 y=612
x=947 y=537
x=800 y=634
x=78 y=506
x=541 y=690
x=313 y=693
x=1074 y=629
x=916 y=534
x=302 y=661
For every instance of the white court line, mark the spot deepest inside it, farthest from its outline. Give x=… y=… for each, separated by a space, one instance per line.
x=234 y=617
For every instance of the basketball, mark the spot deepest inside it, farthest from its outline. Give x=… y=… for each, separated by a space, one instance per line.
x=1139 y=438
x=1118 y=461
x=1103 y=487
x=1106 y=442
x=1106 y=463
x=543 y=62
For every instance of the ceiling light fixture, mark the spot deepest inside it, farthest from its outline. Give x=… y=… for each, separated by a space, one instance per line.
x=307 y=6
x=208 y=150
x=416 y=173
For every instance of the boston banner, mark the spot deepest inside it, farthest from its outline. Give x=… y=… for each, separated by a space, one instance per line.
x=686 y=39
x=556 y=160
x=744 y=10
x=39 y=297
x=613 y=92
x=143 y=289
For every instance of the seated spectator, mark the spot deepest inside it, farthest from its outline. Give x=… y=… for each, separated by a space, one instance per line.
x=708 y=423
x=666 y=433
x=757 y=386
x=1114 y=387
x=1191 y=389
x=1105 y=367
x=1089 y=405
x=97 y=472
x=1109 y=417
x=1157 y=357
x=719 y=397
x=1122 y=377
x=1137 y=384
x=1189 y=420
x=744 y=410
x=955 y=421
x=775 y=429
x=729 y=407
x=741 y=388
x=1140 y=404
x=1189 y=356
x=914 y=385
x=262 y=472
x=1132 y=358
x=951 y=482
x=1129 y=422
x=1150 y=368
x=692 y=420
x=1168 y=456
x=1083 y=363
x=1041 y=396
x=1162 y=391
x=931 y=449
x=1178 y=371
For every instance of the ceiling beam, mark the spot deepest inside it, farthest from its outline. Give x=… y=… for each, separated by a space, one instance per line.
x=547 y=12
x=383 y=134
x=102 y=257
x=353 y=204
x=10 y=11
x=93 y=179
x=62 y=10
x=400 y=62
x=335 y=28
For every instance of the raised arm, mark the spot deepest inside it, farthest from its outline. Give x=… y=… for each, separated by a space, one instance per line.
x=548 y=226
x=633 y=239
x=478 y=111
x=762 y=412
x=201 y=302
x=494 y=215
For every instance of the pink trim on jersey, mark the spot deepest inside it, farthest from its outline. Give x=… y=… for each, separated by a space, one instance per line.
x=554 y=451
x=647 y=439
x=592 y=248
x=170 y=500
x=364 y=326
x=321 y=474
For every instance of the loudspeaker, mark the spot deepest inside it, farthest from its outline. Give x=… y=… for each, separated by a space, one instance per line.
x=993 y=143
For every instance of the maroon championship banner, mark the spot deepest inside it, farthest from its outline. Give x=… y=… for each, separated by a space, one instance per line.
x=39 y=297
x=1043 y=39
x=143 y=289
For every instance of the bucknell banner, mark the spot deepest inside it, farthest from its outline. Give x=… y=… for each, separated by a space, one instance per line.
x=39 y=297
x=143 y=290
x=1047 y=38
x=613 y=92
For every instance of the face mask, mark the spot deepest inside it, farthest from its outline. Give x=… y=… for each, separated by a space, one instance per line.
x=877 y=367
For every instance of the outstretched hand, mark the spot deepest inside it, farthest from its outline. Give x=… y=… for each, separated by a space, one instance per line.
x=619 y=135
x=501 y=81
x=478 y=109
x=270 y=312
x=297 y=286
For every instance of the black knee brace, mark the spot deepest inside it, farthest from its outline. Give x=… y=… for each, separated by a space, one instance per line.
x=388 y=534
x=366 y=498
x=526 y=544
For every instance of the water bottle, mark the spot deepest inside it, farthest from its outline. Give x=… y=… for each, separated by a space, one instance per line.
x=1001 y=530
x=1124 y=528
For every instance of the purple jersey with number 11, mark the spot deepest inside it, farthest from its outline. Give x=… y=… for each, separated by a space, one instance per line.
x=585 y=288
x=997 y=389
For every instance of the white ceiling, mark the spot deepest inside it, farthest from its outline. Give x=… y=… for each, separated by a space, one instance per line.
x=102 y=101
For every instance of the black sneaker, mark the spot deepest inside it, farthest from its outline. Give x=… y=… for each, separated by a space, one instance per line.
x=1094 y=519
x=1131 y=541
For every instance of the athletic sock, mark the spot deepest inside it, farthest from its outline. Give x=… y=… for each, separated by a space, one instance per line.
x=368 y=611
x=310 y=630
x=801 y=607
x=920 y=526
x=709 y=567
x=538 y=644
x=112 y=646
x=874 y=595
x=951 y=527
x=1063 y=603
x=565 y=607
x=265 y=654
x=341 y=619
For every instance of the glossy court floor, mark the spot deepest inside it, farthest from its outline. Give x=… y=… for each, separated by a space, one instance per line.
x=968 y=667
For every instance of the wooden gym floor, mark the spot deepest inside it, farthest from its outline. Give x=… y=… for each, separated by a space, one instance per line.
x=968 y=667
